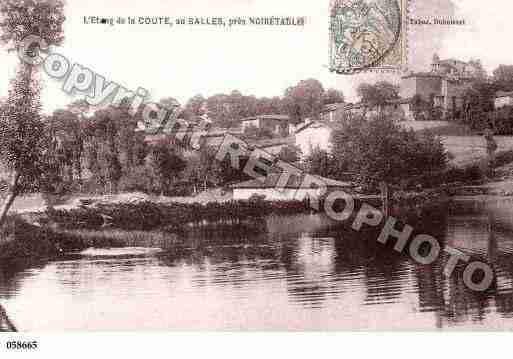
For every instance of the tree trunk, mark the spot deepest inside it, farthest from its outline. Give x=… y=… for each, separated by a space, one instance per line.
x=13 y=192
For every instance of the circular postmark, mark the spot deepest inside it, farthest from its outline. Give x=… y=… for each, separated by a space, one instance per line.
x=363 y=33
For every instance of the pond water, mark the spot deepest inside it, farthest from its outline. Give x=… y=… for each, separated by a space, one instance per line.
x=300 y=273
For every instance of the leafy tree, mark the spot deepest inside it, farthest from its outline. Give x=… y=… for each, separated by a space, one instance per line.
x=20 y=138
x=203 y=169
x=381 y=151
x=478 y=99
x=333 y=96
x=22 y=18
x=164 y=166
x=218 y=109
x=304 y=100
x=377 y=95
x=196 y=105
x=20 y=121
x=268 y=106
x=503 y=77
x=66 y=131
x=320 y=162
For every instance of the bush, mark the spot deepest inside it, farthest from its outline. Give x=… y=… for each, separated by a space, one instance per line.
x=149 y=215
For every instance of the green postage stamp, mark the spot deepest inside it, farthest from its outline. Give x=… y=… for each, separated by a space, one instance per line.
x=368 y=35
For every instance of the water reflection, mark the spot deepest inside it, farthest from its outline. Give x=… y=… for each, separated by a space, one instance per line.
x=301 y=272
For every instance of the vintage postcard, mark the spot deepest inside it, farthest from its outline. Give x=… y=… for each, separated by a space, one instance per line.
x=255 y=165
x=368 y=35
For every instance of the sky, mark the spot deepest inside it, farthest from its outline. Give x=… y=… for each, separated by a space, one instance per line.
x=263 y=61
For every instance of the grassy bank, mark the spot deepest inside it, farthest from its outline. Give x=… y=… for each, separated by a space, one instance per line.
x=173 y=216
x=23 y=242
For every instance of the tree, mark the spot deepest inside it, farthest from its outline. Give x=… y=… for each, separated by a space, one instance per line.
x=66 y=132
x=503 y=77
x=478 y=99
x=20 y=138
x=419 y=107
x=196 y=105
x=164 y=166
x=320 y=162
x=267 y=106
x=333 y=96
x=203 y=169
x=218 y=109
x=22 y=18
x=20 y=121
x=377 y=95
x=305 y=100
x=381 y=151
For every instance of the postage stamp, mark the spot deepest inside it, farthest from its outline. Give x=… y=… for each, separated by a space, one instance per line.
x=368 y=35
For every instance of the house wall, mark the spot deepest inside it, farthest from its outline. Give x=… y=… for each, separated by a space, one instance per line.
x=276 y=126
x=288 y=194
x=503 y=101
x=249 y=123
x=336 y=115
x=313 y=137
x=407 y=113
x=423 y=86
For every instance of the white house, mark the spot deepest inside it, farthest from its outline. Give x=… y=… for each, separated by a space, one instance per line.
x=316 y=134
x=296 y=189
x=333 y=112
x=503 y=99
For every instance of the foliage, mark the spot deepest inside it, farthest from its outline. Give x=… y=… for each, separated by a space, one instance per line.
x=21 y=127
x=21 y=18
x=149 y=215
x=379 y=150
x=503 y=77
x=305 y=100
x=22 y=141
x=203 y=169
x=164 y=166
x=332 y=96
x=377 y=95
x=321 y=162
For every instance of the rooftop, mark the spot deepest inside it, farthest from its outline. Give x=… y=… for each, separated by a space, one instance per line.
x=266 y=117
x=314 y=124
x=333 y=107
x=272 y=142
x=423 y=74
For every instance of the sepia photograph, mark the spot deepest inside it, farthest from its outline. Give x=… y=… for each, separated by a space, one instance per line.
x=255 y=166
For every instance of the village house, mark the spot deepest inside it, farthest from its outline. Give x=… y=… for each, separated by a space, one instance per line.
x=333 y=112
x=443 y=86
x=277 y=124
x=503 y=99
x=312 y=135
x=296 y=189
x=273 y=145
